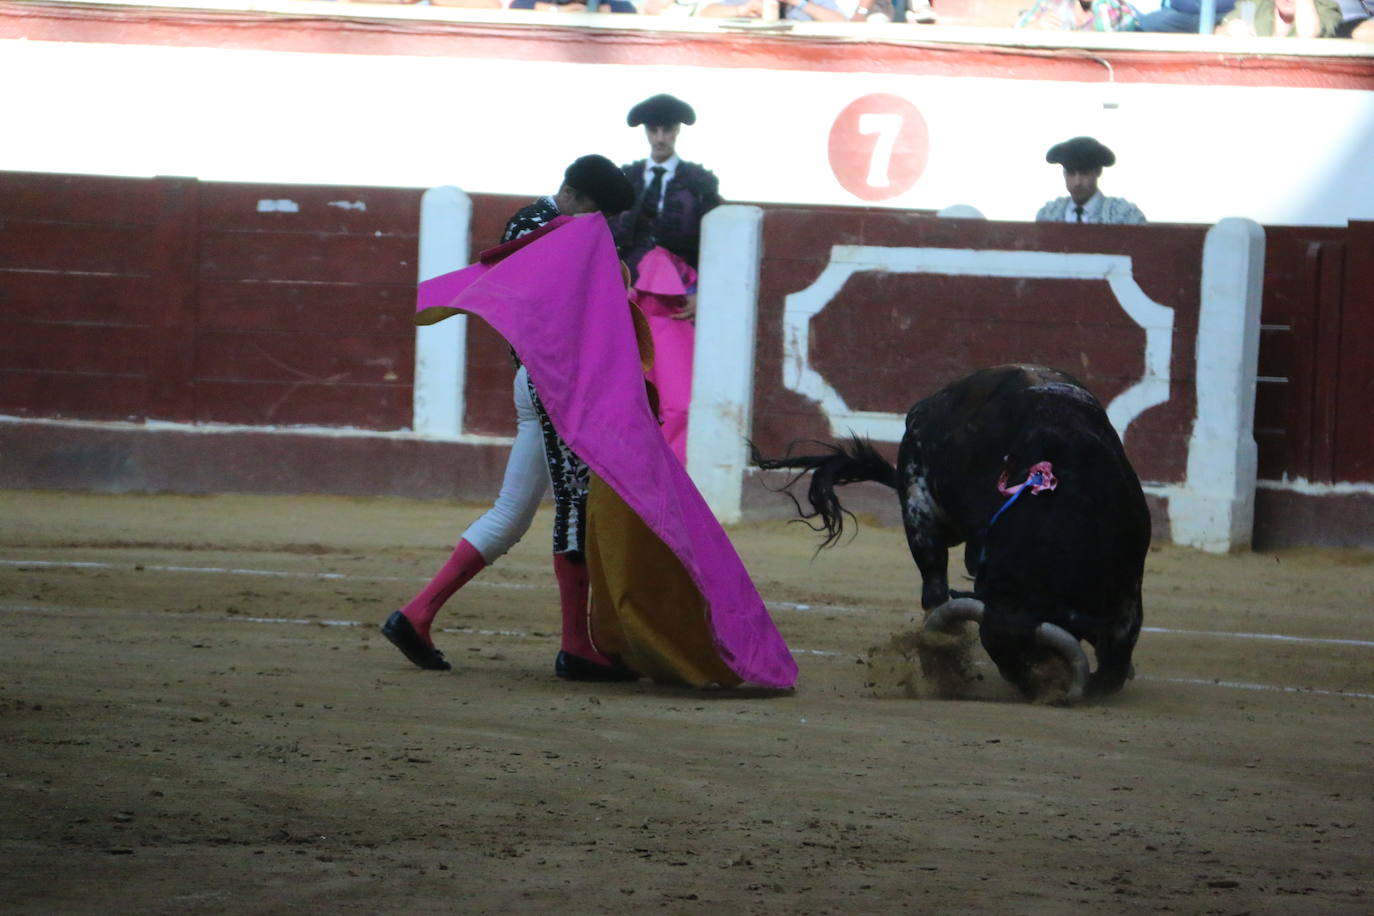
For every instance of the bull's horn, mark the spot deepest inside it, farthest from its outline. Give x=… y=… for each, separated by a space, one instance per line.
x=1063 y=642
x=956 y=611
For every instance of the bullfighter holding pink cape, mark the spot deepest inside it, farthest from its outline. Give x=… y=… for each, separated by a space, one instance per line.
x=670 y=596
x=661 y=288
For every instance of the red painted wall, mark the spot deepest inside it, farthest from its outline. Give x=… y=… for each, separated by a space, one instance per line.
x=178 y=300
x=171 y=299
x=1316 y=364
x=79 y=295
x=890 y=339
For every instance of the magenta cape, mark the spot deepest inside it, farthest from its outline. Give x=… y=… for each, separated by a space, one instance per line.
x=560 y=302
x=662 y=286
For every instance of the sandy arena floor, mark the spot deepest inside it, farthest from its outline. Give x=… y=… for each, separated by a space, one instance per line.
x=198 y=714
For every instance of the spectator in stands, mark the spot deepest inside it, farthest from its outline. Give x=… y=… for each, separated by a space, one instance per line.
x=799 y=10
x=1282 y=19
x=868 y=10
x=670 y=8
x=660 y=238
x=1080 y=15
x=1083 y=159
x=1357 y=20
x=912 y=11
x=848 y=10
x=573 y=6
x=1180 y=16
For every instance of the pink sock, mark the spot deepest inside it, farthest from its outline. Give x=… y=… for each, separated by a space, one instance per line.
x=573 y=586
x=465 y=563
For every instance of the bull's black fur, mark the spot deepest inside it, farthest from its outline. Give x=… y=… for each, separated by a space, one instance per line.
x=1073 y=556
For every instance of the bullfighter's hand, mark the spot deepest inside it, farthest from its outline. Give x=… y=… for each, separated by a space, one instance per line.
x=688 y=312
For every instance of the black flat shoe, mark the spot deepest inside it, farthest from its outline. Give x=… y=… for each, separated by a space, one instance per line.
x=576 y=668
x=403 y=636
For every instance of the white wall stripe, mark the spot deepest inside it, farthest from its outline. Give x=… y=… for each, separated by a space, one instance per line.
x=440 y=390
x=799 y=375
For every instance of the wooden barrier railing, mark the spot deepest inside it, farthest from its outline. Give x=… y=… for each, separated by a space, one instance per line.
x=289 y=307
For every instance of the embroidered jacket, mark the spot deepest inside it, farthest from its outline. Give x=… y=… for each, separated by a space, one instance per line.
x=1098 y=209
x=529 y=218
x=692 y=192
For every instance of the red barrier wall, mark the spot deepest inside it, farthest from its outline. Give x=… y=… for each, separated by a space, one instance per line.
x=178 y=300
x=1316 y=365
x=171 y=299
x=80 y=292
x=889 y=339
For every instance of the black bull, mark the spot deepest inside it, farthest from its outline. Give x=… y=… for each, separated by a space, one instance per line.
x=1052 y=567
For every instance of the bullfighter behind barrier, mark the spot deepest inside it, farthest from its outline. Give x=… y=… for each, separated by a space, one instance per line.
x=660 y=239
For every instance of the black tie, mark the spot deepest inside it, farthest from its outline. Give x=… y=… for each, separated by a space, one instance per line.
x=653 y=192
x=1078 y=208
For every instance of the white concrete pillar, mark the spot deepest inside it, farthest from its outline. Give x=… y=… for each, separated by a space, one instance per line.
x=1215 y=510
x=721 y=414
x=441 y=349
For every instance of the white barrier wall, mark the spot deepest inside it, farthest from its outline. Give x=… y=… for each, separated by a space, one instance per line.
x=721 y=415
x=1216 y=509
x=441 y=349
x=840 y=138
x=1212 y=510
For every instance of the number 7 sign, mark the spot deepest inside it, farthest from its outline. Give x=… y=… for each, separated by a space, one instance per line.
x=879 y=146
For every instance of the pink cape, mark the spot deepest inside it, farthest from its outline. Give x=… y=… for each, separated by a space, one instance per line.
x=662 y=287
x=560 y=301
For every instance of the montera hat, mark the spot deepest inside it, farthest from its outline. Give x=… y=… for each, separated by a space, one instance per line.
x=603 y=181
x=661 y=109
x=1081 y=154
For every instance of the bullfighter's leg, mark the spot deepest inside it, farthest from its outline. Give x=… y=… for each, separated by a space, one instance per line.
x=485 y=540
x=578 y=658
x=925 y=540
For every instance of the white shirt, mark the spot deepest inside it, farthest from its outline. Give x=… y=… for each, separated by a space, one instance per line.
x=669 y=167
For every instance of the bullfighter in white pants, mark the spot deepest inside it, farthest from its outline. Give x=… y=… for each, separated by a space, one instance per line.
x=537 y=457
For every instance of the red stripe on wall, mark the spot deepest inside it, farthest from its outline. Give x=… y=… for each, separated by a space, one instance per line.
x=608 y=45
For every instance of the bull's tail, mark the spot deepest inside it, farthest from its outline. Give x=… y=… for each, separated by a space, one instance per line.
x=851 y=462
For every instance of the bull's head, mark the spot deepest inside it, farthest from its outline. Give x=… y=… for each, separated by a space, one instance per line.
x=1048 y=636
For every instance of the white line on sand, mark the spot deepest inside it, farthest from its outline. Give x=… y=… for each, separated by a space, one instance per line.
x=1276 y=636
x=233 y=571
x=486 y=583
x=1239 y=685
x=302 y=621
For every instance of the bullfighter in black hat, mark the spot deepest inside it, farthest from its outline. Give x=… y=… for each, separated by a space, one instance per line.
x=1083 y=159
x=659 y=238
x=672 y=194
